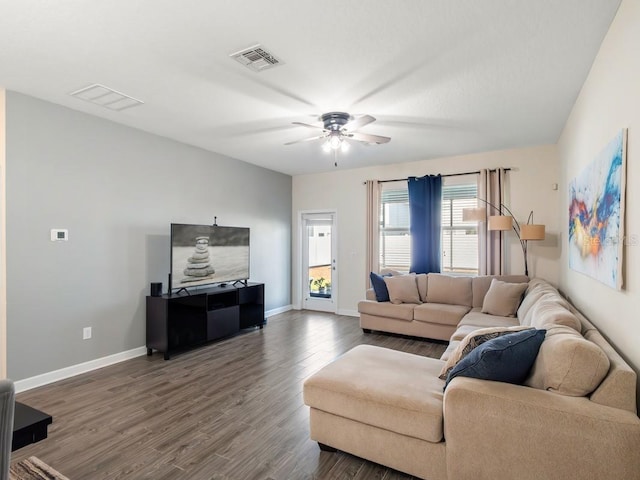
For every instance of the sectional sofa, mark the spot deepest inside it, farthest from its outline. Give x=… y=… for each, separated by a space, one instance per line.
x=574 y=416
x=445 y=303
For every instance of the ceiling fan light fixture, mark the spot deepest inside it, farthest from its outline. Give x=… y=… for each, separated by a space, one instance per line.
x=338 y=129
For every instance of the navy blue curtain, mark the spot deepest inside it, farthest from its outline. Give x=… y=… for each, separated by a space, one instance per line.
x=425 y=200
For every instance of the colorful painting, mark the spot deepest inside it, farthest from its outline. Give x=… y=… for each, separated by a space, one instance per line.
x=596 y=215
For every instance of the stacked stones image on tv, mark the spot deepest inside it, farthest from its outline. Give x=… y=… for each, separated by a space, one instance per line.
x=198 y=264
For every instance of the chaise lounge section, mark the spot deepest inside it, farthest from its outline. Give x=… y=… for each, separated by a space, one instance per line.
x=573 y=417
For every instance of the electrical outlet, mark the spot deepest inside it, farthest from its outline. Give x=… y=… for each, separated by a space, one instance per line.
x=86 y=333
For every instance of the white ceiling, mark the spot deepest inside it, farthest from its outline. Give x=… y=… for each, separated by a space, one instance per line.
x=442 y=77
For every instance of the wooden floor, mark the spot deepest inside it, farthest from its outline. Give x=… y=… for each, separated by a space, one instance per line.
x=229 y=410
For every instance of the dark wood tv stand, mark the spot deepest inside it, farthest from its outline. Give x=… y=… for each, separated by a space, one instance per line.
x=181 y=322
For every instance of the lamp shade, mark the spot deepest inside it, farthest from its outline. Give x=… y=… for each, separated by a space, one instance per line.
x=500 y=222
x=478 y=214
x=532 y=232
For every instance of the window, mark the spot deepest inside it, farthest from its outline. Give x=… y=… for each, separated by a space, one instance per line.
x=459 y=240
x=395 y=240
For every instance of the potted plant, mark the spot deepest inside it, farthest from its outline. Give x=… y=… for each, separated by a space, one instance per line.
x=320 y=284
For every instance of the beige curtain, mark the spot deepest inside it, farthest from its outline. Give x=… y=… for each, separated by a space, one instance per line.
x=373 y=228
x=491 y=187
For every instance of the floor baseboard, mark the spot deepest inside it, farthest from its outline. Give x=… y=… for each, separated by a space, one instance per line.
x=73 y=370
x=276 y=311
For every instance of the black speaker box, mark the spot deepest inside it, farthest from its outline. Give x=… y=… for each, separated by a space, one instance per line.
x=156 y=289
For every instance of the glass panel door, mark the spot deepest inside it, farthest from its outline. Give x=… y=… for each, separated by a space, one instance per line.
x=319 y=261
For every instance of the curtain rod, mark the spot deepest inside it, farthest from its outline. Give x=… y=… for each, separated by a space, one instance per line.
x=446 y=175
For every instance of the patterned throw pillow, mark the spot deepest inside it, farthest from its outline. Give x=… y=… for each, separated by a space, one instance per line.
x=508 y=358
x=473 y=340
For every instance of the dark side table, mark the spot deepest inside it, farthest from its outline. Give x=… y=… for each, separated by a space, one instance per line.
x=29 y=426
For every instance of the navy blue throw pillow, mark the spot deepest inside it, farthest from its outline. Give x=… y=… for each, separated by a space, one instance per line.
x=379 y=287
x=504 y=359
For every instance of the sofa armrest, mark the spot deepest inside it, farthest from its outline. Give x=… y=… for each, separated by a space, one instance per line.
x=497 y=430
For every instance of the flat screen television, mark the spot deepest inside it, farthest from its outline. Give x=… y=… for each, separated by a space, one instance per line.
x=205 y=254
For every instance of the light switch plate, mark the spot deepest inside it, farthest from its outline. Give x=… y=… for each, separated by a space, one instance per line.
x=59 y=235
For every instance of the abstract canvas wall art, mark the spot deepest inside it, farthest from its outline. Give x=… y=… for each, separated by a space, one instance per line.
x=596 y=215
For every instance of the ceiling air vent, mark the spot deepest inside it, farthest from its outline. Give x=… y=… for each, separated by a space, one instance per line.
x=106 y=97
x=256 y=58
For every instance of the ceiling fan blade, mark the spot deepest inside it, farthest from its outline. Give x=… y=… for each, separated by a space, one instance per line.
x=306 y=139
x=359 y=123
x=366 y=138
x=315 y=127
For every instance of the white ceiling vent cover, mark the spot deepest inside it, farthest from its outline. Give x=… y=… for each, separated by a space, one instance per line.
x=106 y=97
x=256 y=58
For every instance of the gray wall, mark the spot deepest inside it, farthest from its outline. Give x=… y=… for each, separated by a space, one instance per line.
x=117 y=190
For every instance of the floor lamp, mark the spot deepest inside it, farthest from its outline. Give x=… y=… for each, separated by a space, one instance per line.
x=503 y=222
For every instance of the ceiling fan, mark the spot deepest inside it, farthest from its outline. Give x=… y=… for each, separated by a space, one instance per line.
x=339 y=128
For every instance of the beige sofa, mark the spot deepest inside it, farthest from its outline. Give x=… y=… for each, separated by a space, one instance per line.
x=446 y=301
x=575 y=416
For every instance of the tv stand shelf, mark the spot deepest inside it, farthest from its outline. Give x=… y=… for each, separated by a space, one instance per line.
x=179 y=322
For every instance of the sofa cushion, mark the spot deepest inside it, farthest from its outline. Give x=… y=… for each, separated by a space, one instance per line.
x=480 y=285
x=474 y=340
x=402 y=289
x=421 y=280
x=449 y=351
x=537 y=288
x=568 y=364
x=484 y=320
x=464 y=330
x=448 y=289
x=541 y=292
x=503 y=298
x=551 y=310
x=535 y=298
x=379 y=287
x=504 y=359
x=439 y=313
x=388 y=389
x=387 y=309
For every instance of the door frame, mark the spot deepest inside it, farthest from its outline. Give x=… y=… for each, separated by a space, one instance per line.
x=3 y=235
x=331 y=303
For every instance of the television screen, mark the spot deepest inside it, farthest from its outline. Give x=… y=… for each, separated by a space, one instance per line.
x=204 y=254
